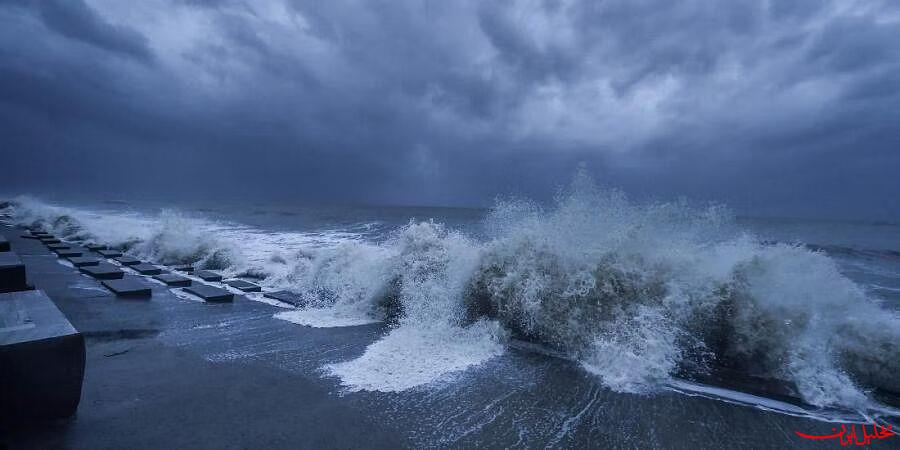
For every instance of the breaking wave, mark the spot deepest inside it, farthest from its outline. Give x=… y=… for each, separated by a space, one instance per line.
x=169 y=237
x=638 y=294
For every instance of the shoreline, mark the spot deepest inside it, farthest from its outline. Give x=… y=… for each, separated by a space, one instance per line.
x=141 y=391
x=167 y=371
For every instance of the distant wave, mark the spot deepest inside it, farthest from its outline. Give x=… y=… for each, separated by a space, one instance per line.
x=169 y=237
x=638 y=294
x=858 y=252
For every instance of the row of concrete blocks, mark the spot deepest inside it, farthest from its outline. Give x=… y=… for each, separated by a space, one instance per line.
x=42 y=356
x=113 y=278
x=12 y=271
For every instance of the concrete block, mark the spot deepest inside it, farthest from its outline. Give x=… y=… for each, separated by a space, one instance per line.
x=183 y=268
x=41 y=359
x=245 y=286
x=103 y=271
x=81 y=261
x=95 y=247
x=172 y=279
x=128 y=287
x=286 y=297
x=4 y=244
x=12 y=273
x=60 y=246
x=208 y=275
x=127 y=260
x=146 y=269
x=70 y=252
x=210 y=293
x=109 y=253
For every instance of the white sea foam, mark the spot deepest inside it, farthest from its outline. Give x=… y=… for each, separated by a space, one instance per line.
x=168 y=237
x=326 y=317
x=413 y=356
x=431 y=268
x=635 y=293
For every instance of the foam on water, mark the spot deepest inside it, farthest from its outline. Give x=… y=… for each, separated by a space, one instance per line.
x=169 y=237
x=326 y=317
x=396 y=363
x=424 y=272
x=638 y=294
x=174 y=237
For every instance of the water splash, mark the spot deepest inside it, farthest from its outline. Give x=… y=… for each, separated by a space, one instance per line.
x=637 y=293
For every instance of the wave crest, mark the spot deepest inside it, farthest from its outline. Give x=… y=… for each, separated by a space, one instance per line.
x=637 y=293
x=169 y=237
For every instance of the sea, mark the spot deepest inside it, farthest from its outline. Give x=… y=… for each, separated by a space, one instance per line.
x=619 y=302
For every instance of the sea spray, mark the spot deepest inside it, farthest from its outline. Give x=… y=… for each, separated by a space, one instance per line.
x=168 y=237
x=432 y=267
x=637 y=293
x=176 y=239
x=640 y=293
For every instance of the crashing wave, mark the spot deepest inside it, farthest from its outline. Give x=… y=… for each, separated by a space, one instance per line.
x=637 y=293
x=168 y=238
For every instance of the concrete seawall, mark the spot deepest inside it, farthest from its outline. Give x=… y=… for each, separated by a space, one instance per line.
x=142 y=390
x=169 y=371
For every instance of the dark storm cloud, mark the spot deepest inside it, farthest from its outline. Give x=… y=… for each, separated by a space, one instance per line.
x=774 y=107
x=76 y=20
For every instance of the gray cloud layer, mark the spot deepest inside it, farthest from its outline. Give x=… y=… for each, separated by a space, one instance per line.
x=774 y=107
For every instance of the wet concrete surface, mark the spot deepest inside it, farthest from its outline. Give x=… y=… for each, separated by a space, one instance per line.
x=175 y=372
x=141 y=391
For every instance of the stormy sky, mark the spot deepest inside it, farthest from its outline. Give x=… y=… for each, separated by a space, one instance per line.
x=775 y=107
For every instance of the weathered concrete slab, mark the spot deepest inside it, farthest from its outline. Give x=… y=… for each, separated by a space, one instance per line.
x=12 y=273
x=183 y=268
x=81 y=261
x=95 y=247
x=245 y=286
x=4 y=244
x=146 y=269
x=210 y=293
x=208 y=275
x=71 y=252
x=128 y=287
x=41 y=359
x=286 y=297
x=109 y=253
x=60 y=246
x=103 y=271
x=172 y=279
x=127 y=260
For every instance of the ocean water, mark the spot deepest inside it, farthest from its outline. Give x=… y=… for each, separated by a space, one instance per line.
x=645 y=297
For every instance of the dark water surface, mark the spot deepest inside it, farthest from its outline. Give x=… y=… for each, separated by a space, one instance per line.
x=520 y=395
